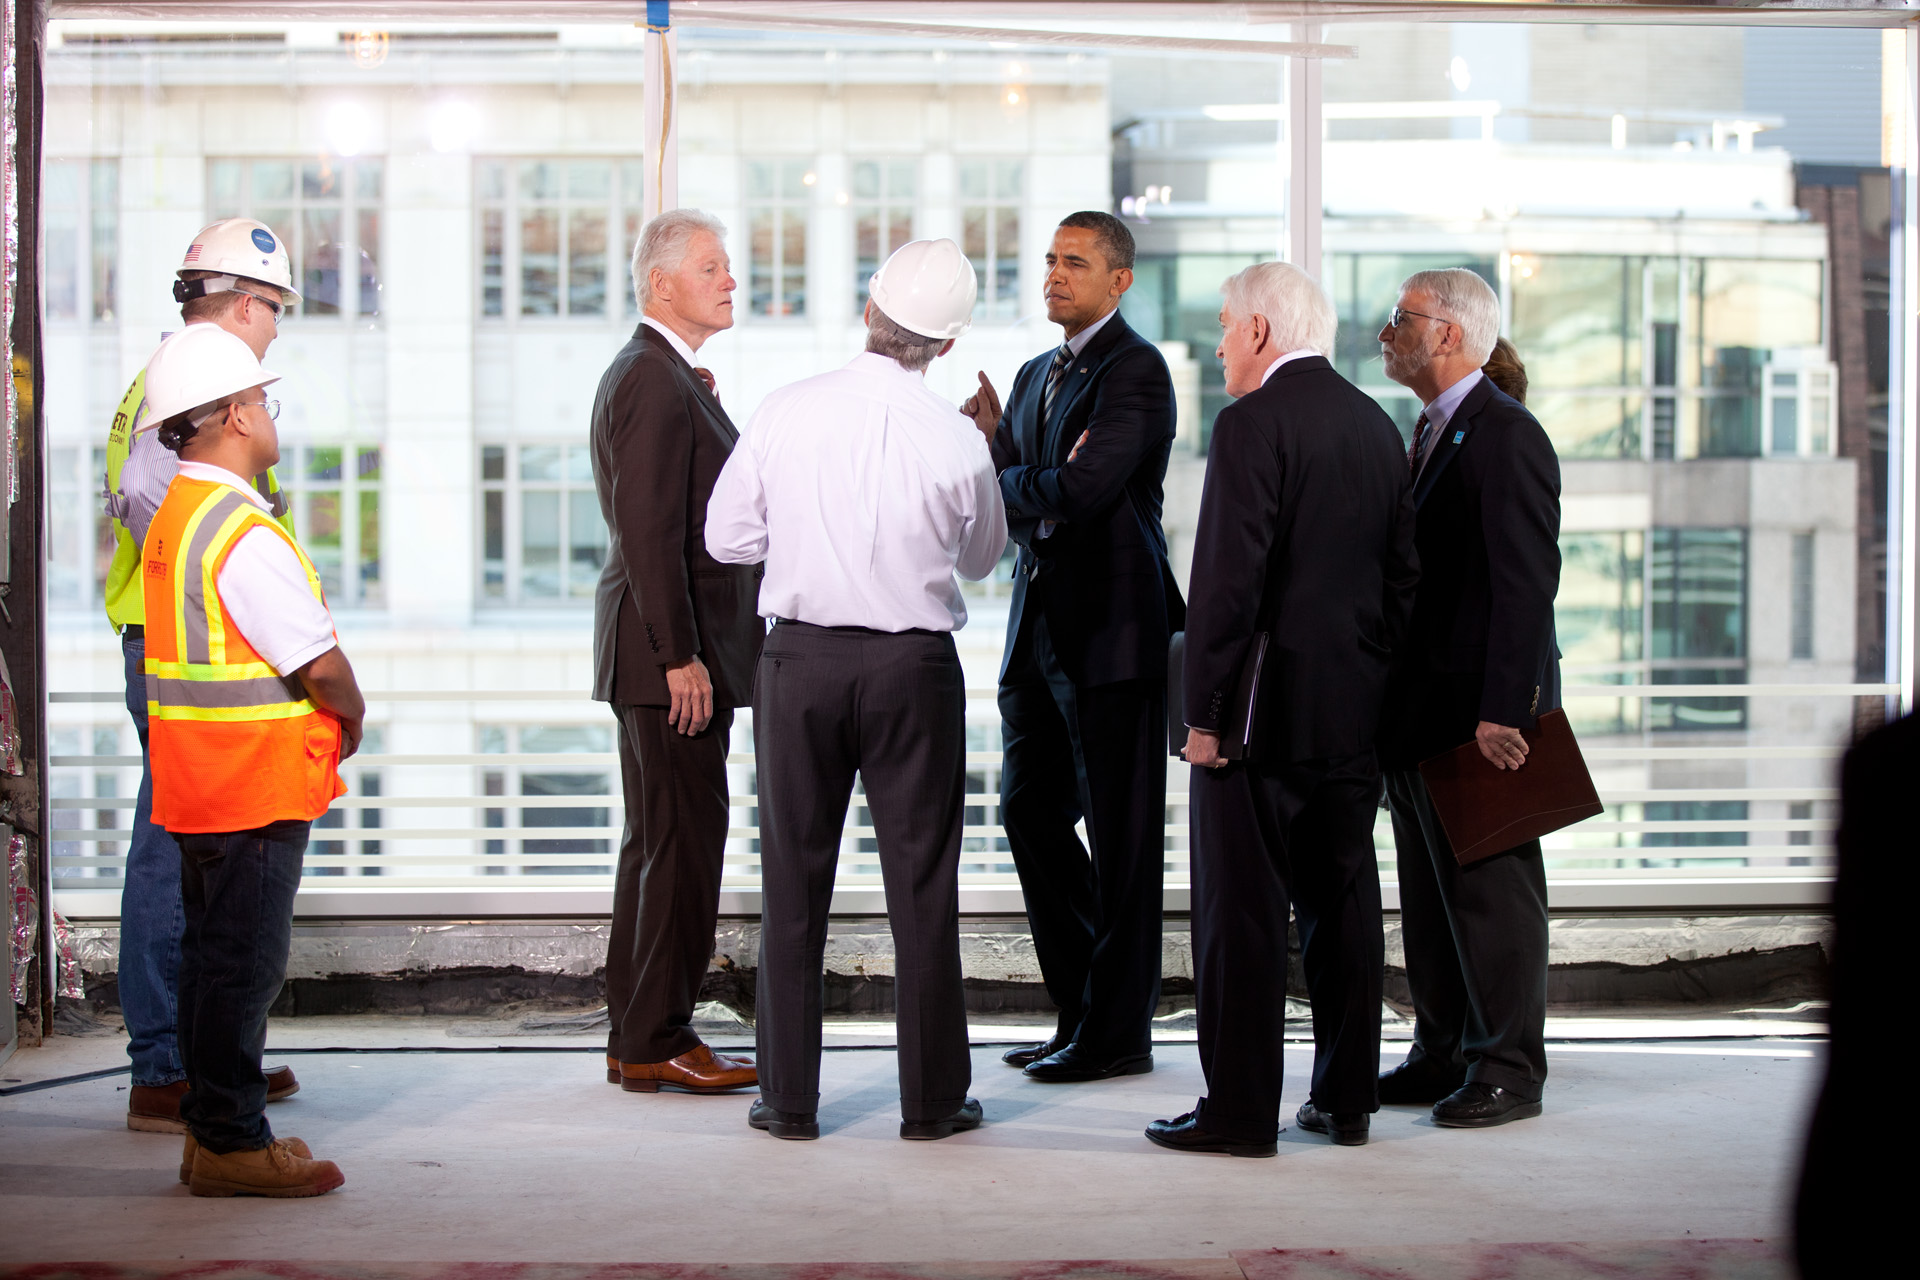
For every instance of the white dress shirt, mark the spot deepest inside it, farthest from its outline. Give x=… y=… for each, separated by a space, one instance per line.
x=264 y=586
x=675 y=340
x=1274 y=368
x=865 y=493
x=1441 y=411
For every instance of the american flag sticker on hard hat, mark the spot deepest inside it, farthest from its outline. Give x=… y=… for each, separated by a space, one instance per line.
x=193 y=252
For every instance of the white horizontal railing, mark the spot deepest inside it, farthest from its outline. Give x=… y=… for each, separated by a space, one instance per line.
x=436 y=842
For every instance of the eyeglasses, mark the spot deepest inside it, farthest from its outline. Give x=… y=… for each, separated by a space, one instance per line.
x=271 y=406
x=1398 y=314
x=272 y=306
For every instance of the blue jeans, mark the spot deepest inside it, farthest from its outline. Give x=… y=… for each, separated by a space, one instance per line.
x=237 y=887
x=150 y=918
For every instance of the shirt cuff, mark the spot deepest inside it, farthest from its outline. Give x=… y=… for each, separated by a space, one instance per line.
x=306 y=655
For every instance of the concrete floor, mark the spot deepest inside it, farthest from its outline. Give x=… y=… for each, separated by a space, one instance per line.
x=531 y=1155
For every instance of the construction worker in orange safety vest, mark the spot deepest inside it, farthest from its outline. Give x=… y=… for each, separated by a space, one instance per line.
x=235 y=274
x=251 y=706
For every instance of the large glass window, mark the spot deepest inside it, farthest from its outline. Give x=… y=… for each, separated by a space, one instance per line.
x=556 y=235
x=883 y=205
x=990 y=198
x=1697 y=616
x=80 y=218
x=334 y=492
x=542 y=538
x=327 y=213
x=779 y=193
x=536 y=795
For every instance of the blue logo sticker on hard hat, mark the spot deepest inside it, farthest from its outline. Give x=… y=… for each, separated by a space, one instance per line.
x=263 y=239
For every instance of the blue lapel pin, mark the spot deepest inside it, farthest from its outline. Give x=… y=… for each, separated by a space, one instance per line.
x=1458 y=436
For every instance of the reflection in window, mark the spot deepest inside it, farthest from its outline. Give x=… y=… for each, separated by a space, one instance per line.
x=1599 y=617
x=1577 y=323
x=1177 y=299
x=544 y=792
x=1696 y=596
x=883 y=203
x=80 y=220
x=328 y=213
x=542 y=537
x=777 y=195
x=334 y=492
x=990 y=196
x=1742 y=311
x=547 y=236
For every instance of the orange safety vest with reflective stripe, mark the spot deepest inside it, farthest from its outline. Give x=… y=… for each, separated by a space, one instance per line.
x=234 y=744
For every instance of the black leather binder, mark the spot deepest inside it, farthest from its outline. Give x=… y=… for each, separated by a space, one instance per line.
x=1239 y=721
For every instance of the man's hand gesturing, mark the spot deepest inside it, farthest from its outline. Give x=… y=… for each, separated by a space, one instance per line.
x=984 y=408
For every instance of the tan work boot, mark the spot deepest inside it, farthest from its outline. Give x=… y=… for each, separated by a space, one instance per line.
x=275 y=1170
x=294 y=1145
x=156 y=1108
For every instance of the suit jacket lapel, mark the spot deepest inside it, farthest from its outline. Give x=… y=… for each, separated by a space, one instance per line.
x=1454 y=434
x=690 y=382
x=1074 y=383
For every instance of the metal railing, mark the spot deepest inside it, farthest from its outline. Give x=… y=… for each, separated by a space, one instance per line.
x=437 y=833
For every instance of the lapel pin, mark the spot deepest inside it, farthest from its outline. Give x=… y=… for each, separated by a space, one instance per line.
x=1458 y=436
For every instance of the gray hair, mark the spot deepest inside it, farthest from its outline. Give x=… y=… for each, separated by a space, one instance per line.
x=888 y=337
x=1464 y=298
x=1298 y=309
x=664 y=242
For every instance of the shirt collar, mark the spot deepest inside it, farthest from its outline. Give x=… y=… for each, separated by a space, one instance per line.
x=220 y=475
x=1447 y=403
x=1301 y=354
x=874 y=362
x=1078 y=342
x=678 y=343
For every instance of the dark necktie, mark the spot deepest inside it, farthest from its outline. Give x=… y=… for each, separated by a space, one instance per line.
x=1419 y=445
x=1061 y=359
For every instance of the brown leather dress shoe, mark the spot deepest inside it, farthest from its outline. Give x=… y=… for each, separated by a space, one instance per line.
x=155 y=1108
x=698 y=1070
x=280 y=1083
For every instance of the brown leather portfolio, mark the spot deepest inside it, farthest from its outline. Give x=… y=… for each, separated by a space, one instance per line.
x=1485 y=810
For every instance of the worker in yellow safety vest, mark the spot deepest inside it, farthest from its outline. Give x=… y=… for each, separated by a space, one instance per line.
x=251 y=707
x=235 y=276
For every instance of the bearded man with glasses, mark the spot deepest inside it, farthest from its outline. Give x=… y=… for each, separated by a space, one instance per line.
x=1479 y=664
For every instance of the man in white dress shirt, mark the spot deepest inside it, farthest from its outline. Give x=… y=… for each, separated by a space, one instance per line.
x=865 y=494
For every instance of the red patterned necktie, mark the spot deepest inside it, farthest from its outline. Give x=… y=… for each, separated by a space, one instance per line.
x=1419 y=445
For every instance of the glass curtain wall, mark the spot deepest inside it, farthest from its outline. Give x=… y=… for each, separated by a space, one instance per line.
x=1688 y=230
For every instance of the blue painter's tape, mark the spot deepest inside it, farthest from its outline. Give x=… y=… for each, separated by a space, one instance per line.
x=1458 y=436
x=657 y=14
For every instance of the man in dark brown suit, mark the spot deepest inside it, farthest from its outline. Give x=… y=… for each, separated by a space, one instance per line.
x=675 y=639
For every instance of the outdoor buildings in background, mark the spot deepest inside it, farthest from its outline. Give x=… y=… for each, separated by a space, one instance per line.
x=1687 y=228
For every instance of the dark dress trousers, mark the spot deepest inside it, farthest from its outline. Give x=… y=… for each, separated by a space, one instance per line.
x=831 y=702
x=1305 y=533
x=1083 y=686
x=659 y=440
x=1480 y=647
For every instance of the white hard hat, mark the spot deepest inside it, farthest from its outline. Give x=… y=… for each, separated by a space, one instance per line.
x=238 y=249
x=198 y=365
x=927 y=286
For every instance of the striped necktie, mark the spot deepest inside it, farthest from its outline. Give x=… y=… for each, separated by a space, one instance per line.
x=1061 y=359
x=1419 y=445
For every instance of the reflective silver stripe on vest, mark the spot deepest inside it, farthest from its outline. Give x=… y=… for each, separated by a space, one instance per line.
x=260 y=691
x=197 y=647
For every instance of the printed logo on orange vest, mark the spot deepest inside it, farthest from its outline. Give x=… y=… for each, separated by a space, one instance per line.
x=156 y=568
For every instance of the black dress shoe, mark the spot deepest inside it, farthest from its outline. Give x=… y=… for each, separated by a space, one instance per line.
x=1346 y=1128
x=797 y=1126
x=1027 y=1054
x=967 y=1117
x=1071 y=1066
x=1417 y=1085
x=1480 y=1106
x=1183 y=1133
